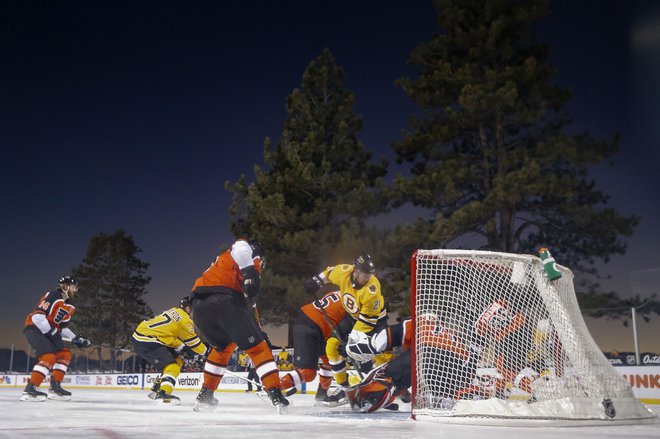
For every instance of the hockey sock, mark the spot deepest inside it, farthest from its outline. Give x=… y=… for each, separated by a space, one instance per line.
x=215 y=366
x=170 y=373
x=337 y=363
x=325 y=375
x=296 y=377
x=62 y=360
x=265 y=364
x=42 y=369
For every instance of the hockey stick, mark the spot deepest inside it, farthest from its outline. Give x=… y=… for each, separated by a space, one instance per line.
x=262 y=394
x=235 y=375
x=110 y=347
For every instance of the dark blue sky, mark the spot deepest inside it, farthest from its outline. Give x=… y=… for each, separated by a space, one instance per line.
x=133 y=114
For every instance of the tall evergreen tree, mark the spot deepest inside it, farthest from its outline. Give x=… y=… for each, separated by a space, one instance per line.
x=112 y=280
x=491 y=154
x=308 y=207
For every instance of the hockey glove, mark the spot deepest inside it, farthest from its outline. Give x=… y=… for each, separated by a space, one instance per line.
x=250 y=282
x=359 y=346
x=81 y=342
x=312 y=285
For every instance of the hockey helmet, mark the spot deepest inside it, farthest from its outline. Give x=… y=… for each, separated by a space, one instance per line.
x=68 y=280
x=186 y=302
x=365 y=264
x=372 y=395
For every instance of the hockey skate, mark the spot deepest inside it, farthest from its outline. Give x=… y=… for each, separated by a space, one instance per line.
x=57 y=392
x=278 y=400
x=321 y=393
x=205 y=401
x=154 y=389
x=162 y=397
x=336 y=399
x=31 y=393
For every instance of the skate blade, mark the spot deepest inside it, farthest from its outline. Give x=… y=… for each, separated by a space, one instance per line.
x=203 y=407
x=282 y=409
x=263 y=396
x=170 y=402
x=56 y=397
x=30 y=398
x=337 y=403
x=152 y=395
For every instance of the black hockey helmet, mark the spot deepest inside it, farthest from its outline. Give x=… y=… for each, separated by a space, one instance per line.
x=186 y=302
x=68 y=280
x=365 y=264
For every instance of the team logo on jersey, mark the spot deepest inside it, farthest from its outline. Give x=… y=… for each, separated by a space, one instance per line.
x=349 y=303
x=373 y=289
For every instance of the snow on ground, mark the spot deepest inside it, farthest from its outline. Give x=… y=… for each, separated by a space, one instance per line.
x=130 y=414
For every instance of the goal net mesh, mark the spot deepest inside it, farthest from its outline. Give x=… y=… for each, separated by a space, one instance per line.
x=495 y=338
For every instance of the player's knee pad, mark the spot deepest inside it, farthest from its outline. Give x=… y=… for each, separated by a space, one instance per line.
x=172 y=369
x=332 y=350
x=307 y=375
x=63 y=356
x=221 y=357
x=47 y=360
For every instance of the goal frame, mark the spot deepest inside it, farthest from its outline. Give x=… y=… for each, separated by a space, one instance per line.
x=586 y=410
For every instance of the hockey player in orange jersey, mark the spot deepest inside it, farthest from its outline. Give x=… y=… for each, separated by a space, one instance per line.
x=380 y=387
x=222 y=304
x=310 y=331
x=45 y=328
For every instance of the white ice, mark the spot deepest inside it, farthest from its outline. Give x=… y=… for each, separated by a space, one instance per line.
x=130 y=414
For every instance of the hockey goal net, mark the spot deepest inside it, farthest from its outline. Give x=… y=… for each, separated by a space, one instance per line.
x=495 y=339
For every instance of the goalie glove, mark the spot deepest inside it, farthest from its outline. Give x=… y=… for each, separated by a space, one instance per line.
x=359 y=346
x=250 y=281
x=312 y=285
x=81 y=342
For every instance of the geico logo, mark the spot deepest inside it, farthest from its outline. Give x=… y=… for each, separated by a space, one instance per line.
x=188 y=381
x=127 y=379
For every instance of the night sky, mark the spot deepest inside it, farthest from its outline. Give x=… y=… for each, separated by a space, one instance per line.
x=132 y=115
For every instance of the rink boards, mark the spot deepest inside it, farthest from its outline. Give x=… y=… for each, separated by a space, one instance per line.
x=644 y=380
x=137 y=381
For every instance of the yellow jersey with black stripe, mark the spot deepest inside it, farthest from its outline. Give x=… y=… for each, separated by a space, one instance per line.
x=172 y=328
x=364 y=304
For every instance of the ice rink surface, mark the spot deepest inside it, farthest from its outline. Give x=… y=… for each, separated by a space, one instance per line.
x=130 y=414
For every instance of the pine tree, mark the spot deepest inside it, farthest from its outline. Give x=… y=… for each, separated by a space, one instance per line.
x=112 y=282
x=491 y=154
x=308 y=207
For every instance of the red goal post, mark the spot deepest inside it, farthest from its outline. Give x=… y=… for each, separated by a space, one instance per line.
x=531 y=356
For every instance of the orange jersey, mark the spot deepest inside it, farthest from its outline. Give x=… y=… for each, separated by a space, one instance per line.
x=430 y=332
x=225 y=272
x=331 y=304
x=56 y=309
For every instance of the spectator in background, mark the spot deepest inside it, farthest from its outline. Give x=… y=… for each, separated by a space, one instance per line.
x=284 y=360
x=246 y=363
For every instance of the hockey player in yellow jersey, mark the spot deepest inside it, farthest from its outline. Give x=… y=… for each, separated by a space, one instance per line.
x=361 y=296
x=161 y=341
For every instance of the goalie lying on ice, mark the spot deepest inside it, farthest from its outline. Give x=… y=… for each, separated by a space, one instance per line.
x=455 y=363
